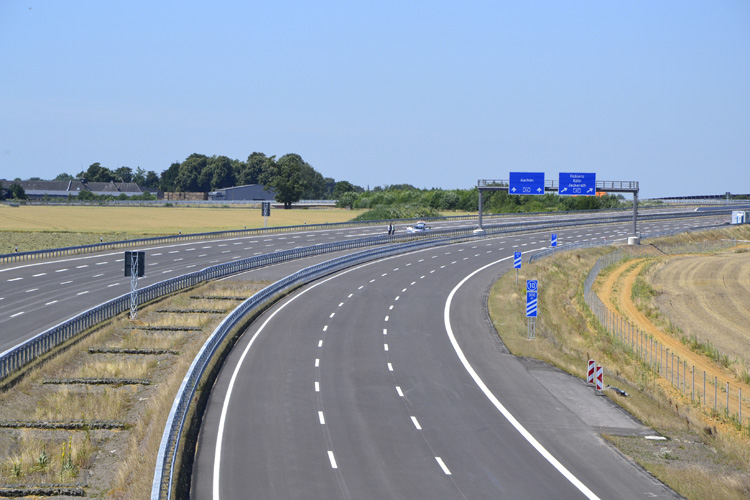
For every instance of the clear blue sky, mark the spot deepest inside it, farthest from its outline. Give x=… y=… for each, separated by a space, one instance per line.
x=430 y=93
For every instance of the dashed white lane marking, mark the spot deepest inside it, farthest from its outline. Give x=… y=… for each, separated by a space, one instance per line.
x=386 y=318
x=321 y=418
x=350 y=295
x=17 y=314
x=361 y=287
x=341 y=304
x=398 y=390
x=32 y=290
x=320 y=343
x=40 y=274
x=390 y=308
x=97 y=275
x=385 y=331
x=332 y=459
x=15 y=279
x=385 y=347
x=317 y=386
x=317 y=362
x=81 y=267
x=332 y=315
x=416 y=423
x=83 y=293
x=156 y=254
x=442 y=466
x=50 y=303
x=61 y=270
x=390 y=367
x=66 y=282
x=101 y=263
x=113 y=284
x=325 y=328
x=413 y=283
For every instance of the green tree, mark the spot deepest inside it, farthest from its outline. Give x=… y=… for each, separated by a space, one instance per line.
x=218 y=173
x=97 y=173
x=124 y=174
x=342 y=187
x=286 y=177
x=152 y=180
x=17 y=192
x=64 y=177
x=167 y=183
x=253 y=169
x=188 y=175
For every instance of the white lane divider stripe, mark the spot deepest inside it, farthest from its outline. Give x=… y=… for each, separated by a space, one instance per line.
x=416 y=423
x=332 y=460
x=321 y=418
x=443 y=466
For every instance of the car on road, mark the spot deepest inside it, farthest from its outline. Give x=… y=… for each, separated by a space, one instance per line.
x=419 y=227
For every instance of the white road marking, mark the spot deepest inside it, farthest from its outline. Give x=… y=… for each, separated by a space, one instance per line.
x=191 y=266
x=341 y=304
x=113 y=284
x=350 y=295
x=32 y=290
x=15 y=279
x=83 y=293
x=320 y=343
x=398 y=390
x=17 y=314
x=81 y=267
x=390 y=308
x=493 y=399
x=385 y=331
x=416 y=423
x=100 y=263
x=97 y=275
x=317 y=386
x=321 y=418
x=61 y=270
x=386 y=318
x=50 y=303
x=385 y=347
x=156 y=253
x=317 y=362
x=390 y=367
x=40 y=274
x=167 y=271
x=332 y=315
x=325 y=328
x=332 y=459
x=442 y=466
x=66 y=282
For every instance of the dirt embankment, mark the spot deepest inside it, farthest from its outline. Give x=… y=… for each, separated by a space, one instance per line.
x=704 y=296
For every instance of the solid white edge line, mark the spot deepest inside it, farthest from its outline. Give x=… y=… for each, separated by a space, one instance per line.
x=496 y=402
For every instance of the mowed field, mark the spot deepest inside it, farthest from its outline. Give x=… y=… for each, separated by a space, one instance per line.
x=708 y=297
x=44 y=226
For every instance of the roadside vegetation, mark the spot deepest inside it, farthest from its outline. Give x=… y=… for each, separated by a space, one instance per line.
x=704 y=456
x=40 y=227
x=89 y=417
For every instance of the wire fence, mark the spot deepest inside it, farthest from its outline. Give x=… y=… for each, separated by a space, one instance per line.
x=672 y=359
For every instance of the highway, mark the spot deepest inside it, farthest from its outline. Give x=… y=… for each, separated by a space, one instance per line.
x=37 y=295
x=388 y=381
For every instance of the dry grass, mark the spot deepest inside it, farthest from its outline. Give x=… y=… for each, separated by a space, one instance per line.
x=568 y=335
x=116 y=464
x=38 y=227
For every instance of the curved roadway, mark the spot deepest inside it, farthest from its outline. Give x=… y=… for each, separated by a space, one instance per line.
x=388 y=381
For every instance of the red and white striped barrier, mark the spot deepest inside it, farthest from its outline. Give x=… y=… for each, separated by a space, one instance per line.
x=599 y=379
x=590 y=373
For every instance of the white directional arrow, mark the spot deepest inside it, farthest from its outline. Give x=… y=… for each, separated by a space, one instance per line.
x=590 y=190
x=538 y=190
x=564 y=189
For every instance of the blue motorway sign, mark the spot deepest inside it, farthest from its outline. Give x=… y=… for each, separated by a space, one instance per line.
x=553 y=240
x=516 y=260
x=578 y=184
x=526 y=183
x=532 y=285
x=531 y=304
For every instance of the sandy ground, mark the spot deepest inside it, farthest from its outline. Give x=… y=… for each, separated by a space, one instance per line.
x=616 y=289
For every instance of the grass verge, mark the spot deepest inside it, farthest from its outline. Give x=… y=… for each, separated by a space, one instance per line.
x=701 y=460
x=109 y=463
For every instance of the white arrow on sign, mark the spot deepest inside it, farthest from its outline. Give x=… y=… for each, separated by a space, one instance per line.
x=564 y=189
x=538 y=190
x=590 y=189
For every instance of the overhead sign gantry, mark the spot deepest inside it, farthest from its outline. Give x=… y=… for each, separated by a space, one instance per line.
x=568 y=183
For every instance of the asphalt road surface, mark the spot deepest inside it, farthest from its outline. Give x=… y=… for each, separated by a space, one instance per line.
x=388 y=381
